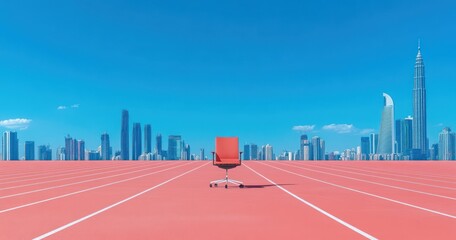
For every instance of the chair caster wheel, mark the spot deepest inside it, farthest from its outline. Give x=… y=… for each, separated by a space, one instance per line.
x=210 y=185
x=241 y=186
x=216 y=185
x=226 y=186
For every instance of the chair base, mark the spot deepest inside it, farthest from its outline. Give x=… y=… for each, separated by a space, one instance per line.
x=226 y=180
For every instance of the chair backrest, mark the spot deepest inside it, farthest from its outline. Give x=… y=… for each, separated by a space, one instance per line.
x=227 y=150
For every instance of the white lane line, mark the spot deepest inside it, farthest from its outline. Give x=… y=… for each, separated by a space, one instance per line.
x=84 y=181
x=114 y=205
x=68 y=178
x=413 y=173
x=394 y=174
x=85 y=190
x=376 y=183
x=65 y=173
x=366 y=193
x=357 y=230
x=44 y=171
x=374 y=176
x=37 y=169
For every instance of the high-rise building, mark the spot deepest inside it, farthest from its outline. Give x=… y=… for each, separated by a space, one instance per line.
x=322 y=149
x=29 y=150
x=124 y=144
x=105 y=147
x=246 y=152
x=398 y=136
x=186 y=153
x=80 y=153
x=434 y=152
x=373 y=143
x=10 y=146
x=253 y=152
x=404 y=136
x=74 y=149
x=306 y=151
x=136 y=141
x=92 y=155
x=147 y=138
x=60 y=153
x=202 y=156
x=69 y=148
x=174 y=147
x=303 y=141
x=365 y=148
x=44 y=152
x=420 y=141
x=316 y=148
x=158 y=144
x=386 y=135
x=268 y=152
x=447 y=144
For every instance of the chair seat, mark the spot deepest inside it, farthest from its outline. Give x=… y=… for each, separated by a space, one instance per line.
x=227 y=161
x=227 y=165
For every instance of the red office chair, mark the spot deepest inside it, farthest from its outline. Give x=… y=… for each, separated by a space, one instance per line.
x=226 y=157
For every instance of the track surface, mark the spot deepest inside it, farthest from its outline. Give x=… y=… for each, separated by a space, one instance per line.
x=281 y=200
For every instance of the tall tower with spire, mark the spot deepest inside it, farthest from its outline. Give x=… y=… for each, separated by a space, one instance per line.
x=419 y=125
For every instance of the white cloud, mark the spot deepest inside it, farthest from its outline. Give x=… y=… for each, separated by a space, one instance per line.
x=62 y=107
x=18 y=123
x=339 y=128
x=366 y=131
x=304 y=128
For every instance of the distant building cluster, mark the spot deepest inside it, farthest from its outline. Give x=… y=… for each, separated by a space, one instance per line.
x=405 y=139
x=397 y=139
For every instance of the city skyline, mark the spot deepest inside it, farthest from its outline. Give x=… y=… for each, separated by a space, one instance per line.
x=320 y=74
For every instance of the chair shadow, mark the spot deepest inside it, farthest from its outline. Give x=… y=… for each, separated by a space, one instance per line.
x=264 y=185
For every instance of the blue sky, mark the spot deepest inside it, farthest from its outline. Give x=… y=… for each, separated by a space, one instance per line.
x=254 y=69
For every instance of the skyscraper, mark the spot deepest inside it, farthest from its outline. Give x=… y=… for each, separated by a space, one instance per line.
x=105 y=147
x=447 y=144
x=174 y=147
x=29 y=150
x=246 y=152
x=44 y=152
x=158 y=144
x=386 y=134
x=316 y=148
x=398 y=136
x=434 y=152
x=322 y=149
x=406 y=138
x=365 y=148
x=186 y=152
x=420 y=142
x=253 y=152
x=69 y=148
x=80 y=153
x=136 y=141
x=303 y=141
x=373 y=143
x=124 y=148
x=202 y=156
x=268 y=153
x=60 y=153
x=306 y=152
x=147 y=138
x=10 y=146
